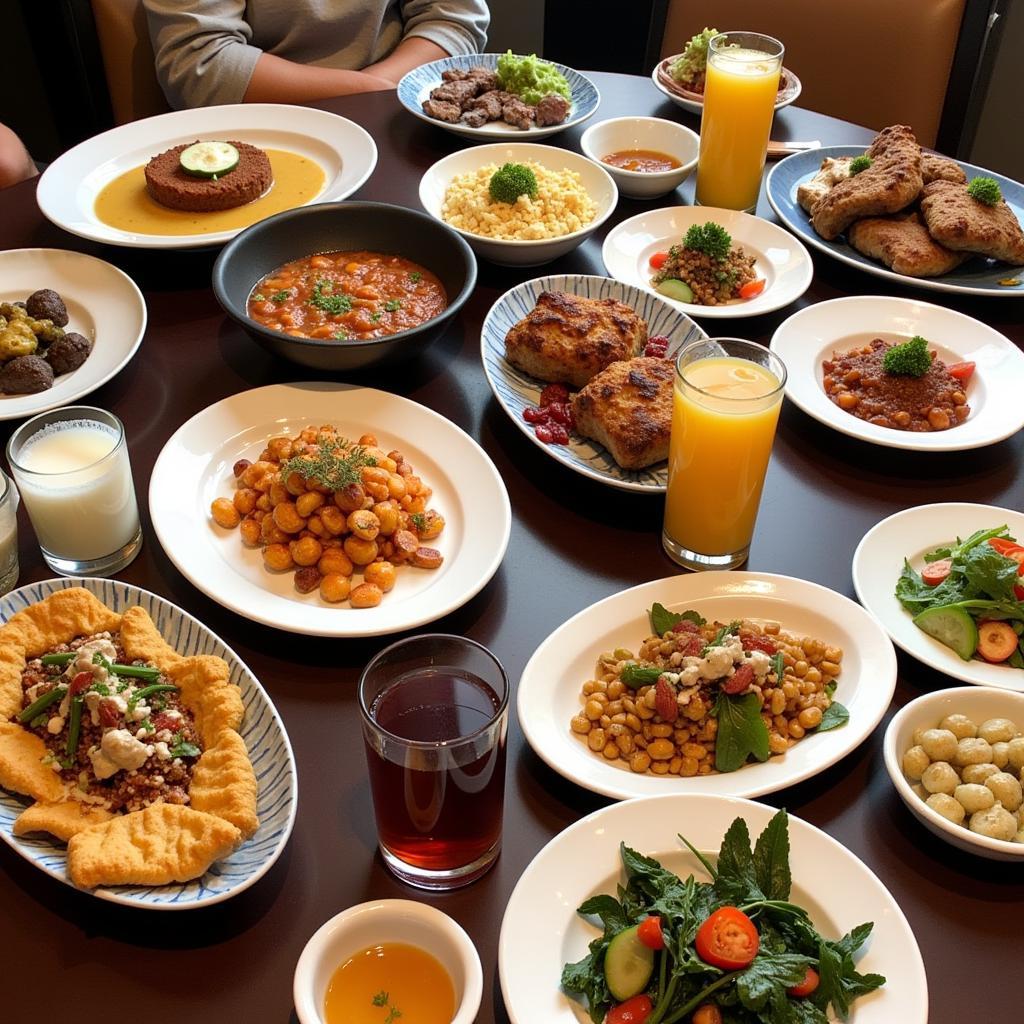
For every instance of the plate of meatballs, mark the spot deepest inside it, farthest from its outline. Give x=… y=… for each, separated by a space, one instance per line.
x=68 y=323
x=465 y=95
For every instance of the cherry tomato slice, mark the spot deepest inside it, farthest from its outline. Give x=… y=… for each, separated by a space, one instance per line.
x=1007 y=548
x=649 y=932
x=80 y=683
x=935 y=572
x=752 y=288
x=657 y=261
x=807 y=986
x=632 y=1011
x=728 y=939
x=961 y=371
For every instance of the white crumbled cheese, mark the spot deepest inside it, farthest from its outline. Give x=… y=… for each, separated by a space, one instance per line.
x=174 y=714
x=83 y=662
x=102 y=766
x=164 y=735
x=140 y=713
x=55 y=725
x=118 y=749
x=759 y=662
x=162 y=751
x=717 y=662
x=32 y=693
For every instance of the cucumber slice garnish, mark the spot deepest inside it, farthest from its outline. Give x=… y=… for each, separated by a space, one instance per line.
x=209 y=159
x=628 y=965
x=951 y=626
x=675 y=289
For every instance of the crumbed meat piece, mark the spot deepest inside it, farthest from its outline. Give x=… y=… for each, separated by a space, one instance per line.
x=517 y=113
x=892 y=182
x=475 y=117
x=628 y=408
x=941 y=168
x=442 y=110
x=958 y=221
x=553 y=109
x=491 y=103
x=68 y=353
x=571 y=338
x=454 y=75
x=485 y=79
x=459 y=93
x=832 y=171
x=903 y=244
x=25 y=375
x=170 y=185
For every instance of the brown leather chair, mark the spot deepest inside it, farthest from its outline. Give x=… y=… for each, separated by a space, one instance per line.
x=873 y=62
x=128 y=60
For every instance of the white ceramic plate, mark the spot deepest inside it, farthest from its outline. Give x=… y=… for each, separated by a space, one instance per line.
x=781 y=259
x=695 y=105
x=416 y=86
x=195 y=467
x=541 y=930
x=104 y=305
x=515 y=390
x=994 y=392
x=911 y=534
x=68 y=189
x=549 y=690
x=264 y=734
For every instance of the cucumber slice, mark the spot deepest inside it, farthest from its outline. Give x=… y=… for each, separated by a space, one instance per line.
x=209 y=159
x=951 y=626
x=628 y=965
x=675 y=289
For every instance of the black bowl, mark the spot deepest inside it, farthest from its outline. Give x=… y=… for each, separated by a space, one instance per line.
x=326 y=227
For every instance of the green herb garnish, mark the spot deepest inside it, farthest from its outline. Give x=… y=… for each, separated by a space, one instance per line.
x=282 y=296
x=322 y=298
x=711 y=239
x=635 y=676
x=510 y=182
x=778 y=666
x=382 y=999
x=834 y=716
x=334 y=464
x=340 y=335
x=392 y=305
x=375 y=318
x=985 y=190
x=911 y=359
x=741 y=731
x=859 y=163
x=39 y=721
x=414 y=276
x=419 y=520
x=662 y=620
x=182 y=748
x=258 y=297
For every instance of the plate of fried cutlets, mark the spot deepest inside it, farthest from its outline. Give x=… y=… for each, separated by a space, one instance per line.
x=584 y=367
x=901 y=212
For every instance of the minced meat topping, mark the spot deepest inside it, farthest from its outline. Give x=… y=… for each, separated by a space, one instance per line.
x=116 y=731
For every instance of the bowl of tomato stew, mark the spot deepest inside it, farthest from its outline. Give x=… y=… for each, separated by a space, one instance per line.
x=343 y=286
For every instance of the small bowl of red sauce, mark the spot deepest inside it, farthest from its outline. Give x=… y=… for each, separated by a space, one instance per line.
x=646 y=156
x=343 y=286
x=388 y=960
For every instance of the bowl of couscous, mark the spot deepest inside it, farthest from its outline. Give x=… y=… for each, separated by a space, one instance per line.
x=545 y=206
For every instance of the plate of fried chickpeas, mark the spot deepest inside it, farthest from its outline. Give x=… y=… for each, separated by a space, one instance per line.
x=329 y=510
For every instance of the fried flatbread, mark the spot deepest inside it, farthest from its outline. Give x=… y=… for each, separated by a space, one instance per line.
x=21 y=764
x=960 y=222
x=223 y=783
x=62 y=820
x=903 y=244
x=892 y=182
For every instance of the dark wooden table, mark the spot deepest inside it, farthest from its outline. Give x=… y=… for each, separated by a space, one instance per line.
x=70 y=958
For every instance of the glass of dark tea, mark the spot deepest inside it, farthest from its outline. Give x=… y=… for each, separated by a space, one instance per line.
x=435 y=718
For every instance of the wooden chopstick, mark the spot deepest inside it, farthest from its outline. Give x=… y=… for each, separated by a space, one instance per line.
x=781 y=149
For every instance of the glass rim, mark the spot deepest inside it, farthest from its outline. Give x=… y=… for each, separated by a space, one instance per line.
x=782 y=377
x=433 y=744
x=75 y=410
x=745 y=32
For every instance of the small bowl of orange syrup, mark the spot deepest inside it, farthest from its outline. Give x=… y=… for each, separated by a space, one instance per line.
x=388 y=961
x=646 y=156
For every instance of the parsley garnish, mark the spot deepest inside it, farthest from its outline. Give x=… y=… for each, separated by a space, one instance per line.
x=392 y=305
x=323 y=299
x=340 y=335
x=101 y=688
x=39 y=720
x=859 y=163
x=711 y=239
x=985 y=190
x=419 y=520
x=375 y=318
x=415 y=276
x=382 y=999
x=258 y=297
x=334 y=464
x=182 y=748
x=281 y=296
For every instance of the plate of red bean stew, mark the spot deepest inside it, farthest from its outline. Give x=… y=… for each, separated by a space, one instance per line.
x=842 y=372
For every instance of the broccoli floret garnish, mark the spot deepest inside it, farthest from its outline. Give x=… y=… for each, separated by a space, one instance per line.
x=859 y=163
x=711 y=239
x=911 y=359
x=985 y=190
x=511 y=181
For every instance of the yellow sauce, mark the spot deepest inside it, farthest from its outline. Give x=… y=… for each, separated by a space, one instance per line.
x=387 y=983
x=125 y=204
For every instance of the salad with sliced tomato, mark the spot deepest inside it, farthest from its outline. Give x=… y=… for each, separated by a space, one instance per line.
x=969 y=595
x=735 y=949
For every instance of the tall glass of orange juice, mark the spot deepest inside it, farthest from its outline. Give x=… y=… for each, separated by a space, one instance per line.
x=726 y=403
x=740 y=90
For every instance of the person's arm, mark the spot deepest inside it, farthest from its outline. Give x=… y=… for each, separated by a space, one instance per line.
x=276 y=80
x=454 y=26
x=410 y=53
x=15 y=163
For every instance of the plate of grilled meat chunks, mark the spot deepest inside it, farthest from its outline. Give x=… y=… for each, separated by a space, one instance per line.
x=584 y=368
x=900 y=212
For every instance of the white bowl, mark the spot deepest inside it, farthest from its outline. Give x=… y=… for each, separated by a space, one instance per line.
x=369 y=924
x=596 y=180
x=652 y=133
x=978 y=703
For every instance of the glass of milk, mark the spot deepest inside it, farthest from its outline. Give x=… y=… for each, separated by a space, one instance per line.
x=71 y=466
x=8 y=533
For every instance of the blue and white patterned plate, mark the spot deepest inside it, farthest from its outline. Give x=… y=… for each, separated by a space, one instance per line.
x=415 y=87
x=262 y=730
x=975 y=277
x=515 y=390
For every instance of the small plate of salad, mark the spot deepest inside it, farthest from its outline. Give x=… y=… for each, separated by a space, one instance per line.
x=947 y=583
x=689 y=908
x=709 y=262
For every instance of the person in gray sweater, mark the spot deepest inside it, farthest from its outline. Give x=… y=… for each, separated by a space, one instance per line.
x=289 y=51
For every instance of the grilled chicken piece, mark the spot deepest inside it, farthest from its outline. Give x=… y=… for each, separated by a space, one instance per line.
x=958 y=221
x=941 y=168
x=628 y=408
x=832 y=171
x=517 y=113
x=903 y=244
x=570 y=338
x=442 y=110
x=892 y=182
